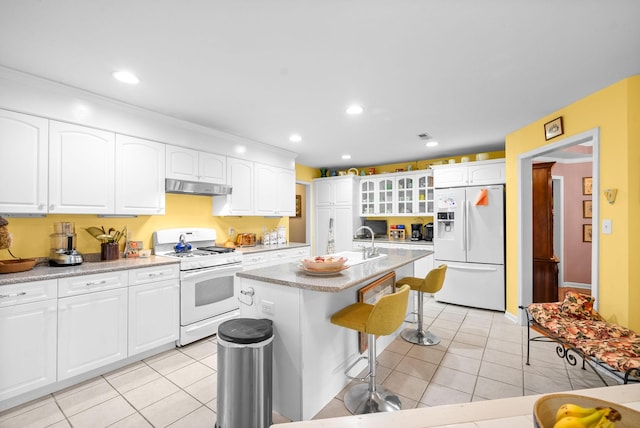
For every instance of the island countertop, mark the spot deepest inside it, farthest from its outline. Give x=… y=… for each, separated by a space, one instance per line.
x=292 y=275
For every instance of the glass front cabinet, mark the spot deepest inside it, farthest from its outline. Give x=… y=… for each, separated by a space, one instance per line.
x=400 y=194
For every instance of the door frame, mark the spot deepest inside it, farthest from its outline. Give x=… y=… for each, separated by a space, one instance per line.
x=525 y=218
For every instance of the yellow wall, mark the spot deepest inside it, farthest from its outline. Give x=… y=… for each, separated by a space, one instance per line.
x=614 y=110
x=31 y=235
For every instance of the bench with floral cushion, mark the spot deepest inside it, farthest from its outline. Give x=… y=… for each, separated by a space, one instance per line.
x=577 y=327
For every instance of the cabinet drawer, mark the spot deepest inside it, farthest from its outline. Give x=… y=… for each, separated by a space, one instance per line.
x=248 y=260
x=27 y=292
x=279 y=256
x=300 y=253
x=77 y=285
x=152 y=274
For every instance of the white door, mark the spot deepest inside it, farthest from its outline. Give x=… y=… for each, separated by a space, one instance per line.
x=92 y=331
x=28 y=351
x=81 y=170
x=154 y=317
x=485 y=224
x=140 y=171
x=24 y=171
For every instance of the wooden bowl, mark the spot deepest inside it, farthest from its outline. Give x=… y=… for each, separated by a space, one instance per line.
x=545 y=408
x=16 y=265
x=324 y=264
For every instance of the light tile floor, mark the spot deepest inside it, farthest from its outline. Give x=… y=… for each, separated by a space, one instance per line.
x=481 y=357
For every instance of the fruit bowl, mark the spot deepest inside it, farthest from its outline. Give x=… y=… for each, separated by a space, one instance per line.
x=324 y=263
x=545 y=408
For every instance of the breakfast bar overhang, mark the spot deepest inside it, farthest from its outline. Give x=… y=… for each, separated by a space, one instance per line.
x=309 y=353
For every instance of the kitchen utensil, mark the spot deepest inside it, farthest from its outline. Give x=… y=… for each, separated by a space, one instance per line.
x=427 y=234
x=17 y=265
x=182 y=246
x=63 y=245
x=324 y=263
x=416 y=231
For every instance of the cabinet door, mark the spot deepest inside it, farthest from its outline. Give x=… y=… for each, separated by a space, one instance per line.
x=286 y=194
x=447 y=176
x=266 y=191
x=384 y=196
x=343 y=191
x=81 y=170
x=493 y=173
x=323 y=190
x=367 y=197
x=154 y=317
x=405 y=196
x=424 y=193
x=240 y=177
x=24 y=172
x=182 y=164
x=92 y=331
x=28 y=351
x=140 y=169
x=322 y=217
x=212 y=168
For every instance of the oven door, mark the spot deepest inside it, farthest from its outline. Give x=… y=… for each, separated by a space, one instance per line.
x=209 y=292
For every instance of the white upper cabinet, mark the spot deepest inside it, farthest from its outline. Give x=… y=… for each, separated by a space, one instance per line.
x=240 y=201
x=24 y=171
x=274 y=190
x=469 y=174
x=193 y=165
x=140 y=170
x=81 y=170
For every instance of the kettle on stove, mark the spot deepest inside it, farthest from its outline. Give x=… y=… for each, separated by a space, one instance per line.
x=182 y=246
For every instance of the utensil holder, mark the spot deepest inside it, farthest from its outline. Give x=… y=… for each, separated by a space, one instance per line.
x=109 y=251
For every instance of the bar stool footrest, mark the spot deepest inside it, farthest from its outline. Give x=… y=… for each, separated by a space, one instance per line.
x=360 y=400
x=348 y=369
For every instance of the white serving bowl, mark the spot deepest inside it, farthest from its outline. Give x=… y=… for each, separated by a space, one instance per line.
x=324 y=263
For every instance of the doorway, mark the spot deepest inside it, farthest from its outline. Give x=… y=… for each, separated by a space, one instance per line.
x=525 y=218
x=300 y=225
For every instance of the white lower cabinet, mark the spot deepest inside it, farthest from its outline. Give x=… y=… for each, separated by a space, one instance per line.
x=154 y=315
x=92 y=325
x=262 y=259
x=28 y=337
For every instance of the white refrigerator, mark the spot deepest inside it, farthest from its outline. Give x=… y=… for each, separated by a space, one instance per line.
x=469 y=238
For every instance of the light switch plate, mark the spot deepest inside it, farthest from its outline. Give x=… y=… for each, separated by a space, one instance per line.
x=606 y=226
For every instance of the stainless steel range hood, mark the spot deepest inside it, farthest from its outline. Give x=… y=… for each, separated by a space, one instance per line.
x=195 y=188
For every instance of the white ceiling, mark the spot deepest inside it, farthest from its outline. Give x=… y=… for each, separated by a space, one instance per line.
x=467 y=72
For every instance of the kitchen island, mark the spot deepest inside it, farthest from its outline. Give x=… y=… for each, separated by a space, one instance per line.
x=310 y=353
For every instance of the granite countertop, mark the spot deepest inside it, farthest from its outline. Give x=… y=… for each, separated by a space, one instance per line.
x=505 y=412
x=43 y=271
x=395 y=241
x=263 y=248
x=291 y=274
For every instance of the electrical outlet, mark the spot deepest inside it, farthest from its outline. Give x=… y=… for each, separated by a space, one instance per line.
x=268 y=307
x=606 y=226
x=232 y=231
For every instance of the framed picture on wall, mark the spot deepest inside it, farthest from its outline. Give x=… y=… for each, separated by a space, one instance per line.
x=586 y=209
x=587 y=185
x=370 y=294
x=586 y=233
x=298 y=205
x=553 y=129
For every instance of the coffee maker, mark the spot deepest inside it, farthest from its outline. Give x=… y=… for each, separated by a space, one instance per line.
x=416 y=231
x=63 y=245
x=428 y=232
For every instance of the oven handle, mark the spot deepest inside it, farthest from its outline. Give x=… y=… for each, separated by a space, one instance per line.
x=212 y=272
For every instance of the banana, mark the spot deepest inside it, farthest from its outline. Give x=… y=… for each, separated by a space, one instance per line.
x=573 y=416
x=574 y=410
x=588 y=421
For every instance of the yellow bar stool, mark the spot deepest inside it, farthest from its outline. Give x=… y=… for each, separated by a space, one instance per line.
x=432 y=283
x=382 y=319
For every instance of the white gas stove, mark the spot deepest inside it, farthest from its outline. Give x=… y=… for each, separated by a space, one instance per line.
x=208 y=285
x=196 y=248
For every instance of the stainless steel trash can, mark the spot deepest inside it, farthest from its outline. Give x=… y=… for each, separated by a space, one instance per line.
x=245 y=356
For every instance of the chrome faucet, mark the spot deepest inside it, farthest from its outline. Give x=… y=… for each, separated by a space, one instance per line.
x=373 y=251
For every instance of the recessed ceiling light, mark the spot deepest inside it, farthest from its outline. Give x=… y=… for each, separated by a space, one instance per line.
x=295 y=138
x=355 y=109
x=346 y=157
x=432 y=143
x=240 y=149
x=126 y=77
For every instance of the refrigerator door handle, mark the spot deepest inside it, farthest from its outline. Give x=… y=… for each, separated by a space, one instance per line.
x=476 y=268
x=467 y=229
